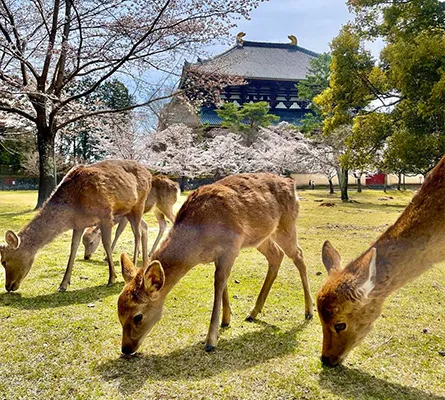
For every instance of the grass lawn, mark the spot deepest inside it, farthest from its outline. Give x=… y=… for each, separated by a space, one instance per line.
x=67 y=345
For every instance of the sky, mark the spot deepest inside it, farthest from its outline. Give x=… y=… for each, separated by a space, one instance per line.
x=315 y=23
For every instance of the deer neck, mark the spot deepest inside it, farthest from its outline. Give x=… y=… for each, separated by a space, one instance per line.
x=178 y=254
x=49 y=222
x=412 y=245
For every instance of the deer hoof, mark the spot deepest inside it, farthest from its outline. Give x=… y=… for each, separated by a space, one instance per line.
x=109 y=284
x=210 y=348
x=249 y=318
x=61 y=289
x=308 y=316
x=225 y=325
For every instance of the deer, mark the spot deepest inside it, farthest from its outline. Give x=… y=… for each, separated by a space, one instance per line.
x=213 y=225
x=163 y=195
x=352 y=298
x=87 y=195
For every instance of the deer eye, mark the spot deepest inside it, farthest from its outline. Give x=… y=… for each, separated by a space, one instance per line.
x=340 y=327
x=137 y=318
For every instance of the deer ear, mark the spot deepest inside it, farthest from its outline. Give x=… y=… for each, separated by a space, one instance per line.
x=331 y=257
x=128 y=269
x=154 y=278
x=12 y=239
x=367 y=287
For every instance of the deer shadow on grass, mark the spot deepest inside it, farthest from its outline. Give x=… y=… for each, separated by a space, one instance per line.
x=193 y=363
x=352 y=383
x=56 y=299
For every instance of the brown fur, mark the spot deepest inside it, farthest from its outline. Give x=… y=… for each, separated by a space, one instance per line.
x=406 y=250
x=214 y=224
x=87 y=195
x=163 y=195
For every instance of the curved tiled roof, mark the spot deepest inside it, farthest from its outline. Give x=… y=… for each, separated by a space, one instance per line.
x=261 y=60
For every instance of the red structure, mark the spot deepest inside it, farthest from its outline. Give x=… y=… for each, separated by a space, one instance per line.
x=376 y=179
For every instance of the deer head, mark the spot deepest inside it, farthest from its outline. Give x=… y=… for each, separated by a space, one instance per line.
x=345 y=303
x=91 y=241
x=140 y=303
x=16 y=261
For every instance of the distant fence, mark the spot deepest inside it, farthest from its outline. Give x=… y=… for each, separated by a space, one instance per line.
x=25 y=183
x=18 y=183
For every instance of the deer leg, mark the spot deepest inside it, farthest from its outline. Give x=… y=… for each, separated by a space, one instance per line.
x=144 y=238
x=223 y=266
x=288 y=242
x=169 y=214
x=274 y=256
x=135 y=222
x=106 y=229
x=120 y=228
x=226 y=309
x=75 y=241
x=162 y=226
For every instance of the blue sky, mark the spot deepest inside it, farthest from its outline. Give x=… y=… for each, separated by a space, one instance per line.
x=315 y=23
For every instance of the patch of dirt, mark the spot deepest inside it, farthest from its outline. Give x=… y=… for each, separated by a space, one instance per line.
x=327 y=205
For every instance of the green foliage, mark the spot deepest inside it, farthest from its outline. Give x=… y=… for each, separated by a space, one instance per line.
x=316 y=82
x=317 y=78
x=410 y=77
x=368 y=136
x=246 y=119
x=351 y=82
x=79 y=143
x=14 y=148
x=115 y=95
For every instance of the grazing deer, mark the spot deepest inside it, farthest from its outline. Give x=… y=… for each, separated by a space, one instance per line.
x=352 y=298
x=163 y=195
x=87 y=195
x=214 y=224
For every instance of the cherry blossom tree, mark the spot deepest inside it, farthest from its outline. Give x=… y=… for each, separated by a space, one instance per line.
x=175 y=151
x=45 y=46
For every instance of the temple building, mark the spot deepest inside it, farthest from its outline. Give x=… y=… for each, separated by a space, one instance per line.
x=268 y=71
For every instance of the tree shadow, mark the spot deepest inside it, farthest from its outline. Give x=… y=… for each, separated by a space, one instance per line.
x=17 y=213
x=57 y=299
x=373 y=206
x=352 y=383
x=194 y=364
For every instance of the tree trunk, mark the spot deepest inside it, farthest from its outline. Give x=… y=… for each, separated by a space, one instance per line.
x=331 y=186
x=399 y=182
x=343 y=181
x=182 y=182
x=386 y=183
x=359 y=183
x=47 y=166
x=404 y=186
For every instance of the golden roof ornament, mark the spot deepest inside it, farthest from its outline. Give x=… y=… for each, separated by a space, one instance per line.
x=239 y=38
x=293 y=40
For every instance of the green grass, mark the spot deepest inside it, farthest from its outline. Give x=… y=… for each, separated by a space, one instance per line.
x=67 y=345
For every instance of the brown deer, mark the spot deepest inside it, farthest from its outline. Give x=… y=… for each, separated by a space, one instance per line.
x=214 y=224
x=163 y=195
x=352 y=298
x=87 y=195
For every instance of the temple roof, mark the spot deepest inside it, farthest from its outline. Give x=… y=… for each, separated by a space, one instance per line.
x=261 y=60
